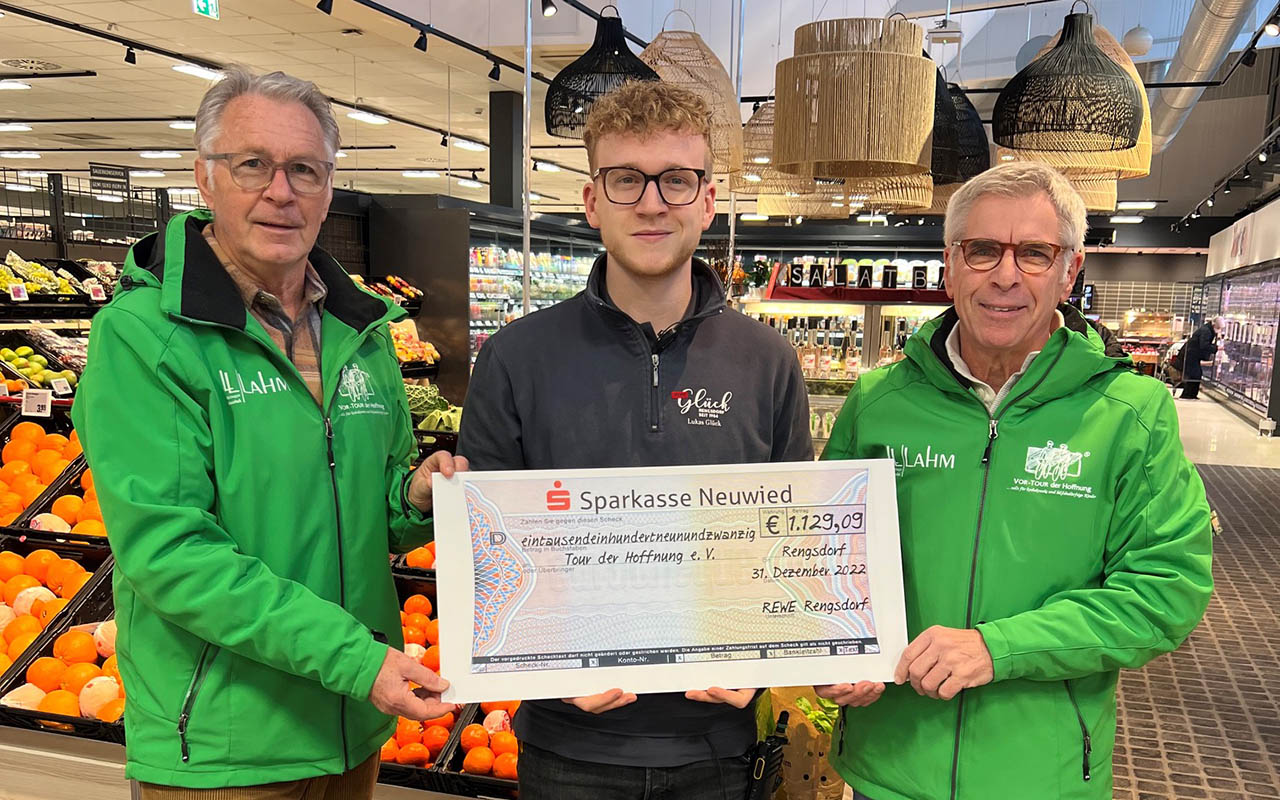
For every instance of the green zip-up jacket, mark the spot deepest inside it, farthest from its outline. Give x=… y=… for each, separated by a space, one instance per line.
x=250 y=526
x=1068 y=527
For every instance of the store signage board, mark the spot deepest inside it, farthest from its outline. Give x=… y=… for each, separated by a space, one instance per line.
x=572 y=582
x=109 y=179
x=37 y=403
x=206 y=8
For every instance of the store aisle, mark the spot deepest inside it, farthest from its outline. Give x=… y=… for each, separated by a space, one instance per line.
x=1204 y=721
x=1213 y=435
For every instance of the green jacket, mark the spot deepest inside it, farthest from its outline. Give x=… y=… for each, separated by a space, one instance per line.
x=1069 y=528
x=250 y=527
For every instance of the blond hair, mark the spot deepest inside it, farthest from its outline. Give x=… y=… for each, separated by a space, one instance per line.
x=1021 y=179
x=643 y=108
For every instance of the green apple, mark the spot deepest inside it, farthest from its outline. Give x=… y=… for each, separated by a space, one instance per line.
x=21 y=363
x=24 y=351
x=7 y=355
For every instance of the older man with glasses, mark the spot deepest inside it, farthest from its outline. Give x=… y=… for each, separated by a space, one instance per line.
x=246 y=422
x=1053 y=531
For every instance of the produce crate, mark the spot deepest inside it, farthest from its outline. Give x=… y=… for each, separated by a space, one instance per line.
x=449 y=765
x=67 y=483
x=92 y=604
x=401 y=774
x=402 y=570
x=13 y=339
x=59 y=422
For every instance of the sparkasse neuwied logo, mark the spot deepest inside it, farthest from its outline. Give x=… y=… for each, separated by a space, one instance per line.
x=559 y=499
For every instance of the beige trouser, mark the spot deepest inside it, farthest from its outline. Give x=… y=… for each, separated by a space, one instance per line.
x=355 y=784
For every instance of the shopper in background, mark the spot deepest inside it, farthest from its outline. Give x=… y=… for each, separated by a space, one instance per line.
x=1200 y=350
x=246 y=422
x=615 y=378
x=1057 y=534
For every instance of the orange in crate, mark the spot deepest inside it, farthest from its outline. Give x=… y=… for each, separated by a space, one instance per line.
x=433 y=631
x=408 y=731
x=389 y=750
x=51 y=609
x=13 y=470
x=86 y=480
x=434 y=739
x=478 y=761
x=59 y=571
x=60 y=701
x=11 y=566
x=112 y=711
x=68 y=507
x=50 y=472
x=421 y=558
x=90 y=511
x=46 y=673
x=474 y=736
x=30 y=493
x=111 y=669
x=54 y=441
x=18 y=584
x=18 y=451
x=27 y=431
x=76 y=647
x=415 y=636
x=504 y=742
x=89 y=527
x=419 y=621
x=414 y=754
x=77 y=675
x=37 y=563
x=20 y=644
x=74 y=584
x=445 y=721
x=504 y=766
x=418 y=604
x=431 y=660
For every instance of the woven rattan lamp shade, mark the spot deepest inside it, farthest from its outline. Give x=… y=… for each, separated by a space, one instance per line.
x=606 y=65
x=905 y=193
x=942 y=197
x=975 y=149
x=944 y=162
x=813 y=206
x=683 y=59
x=855 y=101
x=1073 y=98
x=1122 y=164
x=757 y=145
x=1099 y=194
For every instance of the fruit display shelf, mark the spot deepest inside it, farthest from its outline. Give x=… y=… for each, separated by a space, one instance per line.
x=17 y=352
x=449 y=764
x=92 y=604
x=67 y=483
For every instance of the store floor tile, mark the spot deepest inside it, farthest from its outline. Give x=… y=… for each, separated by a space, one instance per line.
x=1204 y=721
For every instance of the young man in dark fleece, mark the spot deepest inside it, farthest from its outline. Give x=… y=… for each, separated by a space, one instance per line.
x=647 y=367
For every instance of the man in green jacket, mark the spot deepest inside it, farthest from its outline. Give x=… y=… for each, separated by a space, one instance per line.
x=1053 y=531
x=246 y=422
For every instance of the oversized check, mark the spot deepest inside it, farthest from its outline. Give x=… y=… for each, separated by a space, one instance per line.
x=572 y=582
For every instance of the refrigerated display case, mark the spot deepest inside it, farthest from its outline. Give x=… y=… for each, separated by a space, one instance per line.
x=1249 y=304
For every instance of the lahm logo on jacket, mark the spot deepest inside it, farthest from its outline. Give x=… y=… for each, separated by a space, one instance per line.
x=699 y=407
x=904 y=458
x=237 y=391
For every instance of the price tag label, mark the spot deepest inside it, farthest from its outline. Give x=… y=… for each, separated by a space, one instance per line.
x=4 y=388
x=61 y=387
x=37 y=403
x=97 y=294
x=62 y=272
x=18 y=293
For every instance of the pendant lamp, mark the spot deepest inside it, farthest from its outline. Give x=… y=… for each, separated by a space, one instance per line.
x=606 y=65
x=902 y=193
x=855 y=101
x=975 y=148
x=812 y=206
x=942 y=198
x=681 y=58
x=1099 y=194
x=758 y=176
x=944 y=163
x=1121 y=164
x=1074 y=98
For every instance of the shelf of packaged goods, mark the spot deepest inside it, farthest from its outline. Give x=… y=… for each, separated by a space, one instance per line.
x=490 y=296
x=484 y=324
x=505 y=272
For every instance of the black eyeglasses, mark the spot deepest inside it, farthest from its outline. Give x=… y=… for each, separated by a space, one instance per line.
x=253 y=173
x=1033 y=258
x=625 y=186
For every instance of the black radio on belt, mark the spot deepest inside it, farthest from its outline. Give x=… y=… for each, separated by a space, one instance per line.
x=766 y=762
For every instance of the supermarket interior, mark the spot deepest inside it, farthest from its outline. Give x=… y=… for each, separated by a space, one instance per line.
x=459 y=197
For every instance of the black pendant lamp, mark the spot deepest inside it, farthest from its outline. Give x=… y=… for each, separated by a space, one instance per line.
x=945 y=162
x=974 y=149
x=606 y=65
x=1073 y=99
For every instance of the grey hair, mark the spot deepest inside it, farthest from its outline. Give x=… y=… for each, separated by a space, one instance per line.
x=1021 y=179
x=237 y=82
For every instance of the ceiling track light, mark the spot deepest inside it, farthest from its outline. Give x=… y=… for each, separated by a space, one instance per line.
x=1262 y=157
x=130 y=57
x=1213 y=198
x=1272 y=28
x=421 y=44
x=1247 y=175
x=326 y=6
x=1227 y=189
x=549 y=8
x=496 y=72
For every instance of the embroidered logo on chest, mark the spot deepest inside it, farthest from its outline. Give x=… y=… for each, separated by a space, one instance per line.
x=700 y=407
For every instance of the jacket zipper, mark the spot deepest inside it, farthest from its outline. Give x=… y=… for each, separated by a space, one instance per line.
x=193 y=690
x=342 y=583
x=1086 y=742
x=993 y=433
x=653 y=418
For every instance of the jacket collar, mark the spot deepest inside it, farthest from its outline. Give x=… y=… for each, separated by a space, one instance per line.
x=194 y=284
x=1073 y=355
x=708 y=291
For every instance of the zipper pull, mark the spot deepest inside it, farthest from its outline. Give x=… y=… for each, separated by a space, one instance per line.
x=182 y=735
x=655 y=370
x=1088 y=748
x=840 y=730
x=991 y=438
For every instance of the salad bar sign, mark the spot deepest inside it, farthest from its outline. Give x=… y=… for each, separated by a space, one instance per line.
x=879 y=280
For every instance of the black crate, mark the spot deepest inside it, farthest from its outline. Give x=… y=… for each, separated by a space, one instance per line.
x=449 y=764
x=67 y=483
x=94 y=603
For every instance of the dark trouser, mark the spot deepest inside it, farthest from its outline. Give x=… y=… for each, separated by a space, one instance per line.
x=547 y=776
x=1190 y=390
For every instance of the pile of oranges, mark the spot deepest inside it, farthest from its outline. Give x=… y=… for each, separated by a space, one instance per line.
x=421 y=631
x=418 y=744
x=490 y=753
x=422 y=557
x=32 y=459
x=35 y=589
x=80 y=679
x=81 y=513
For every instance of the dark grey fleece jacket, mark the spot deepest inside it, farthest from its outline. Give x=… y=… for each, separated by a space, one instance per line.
x=582 y=385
